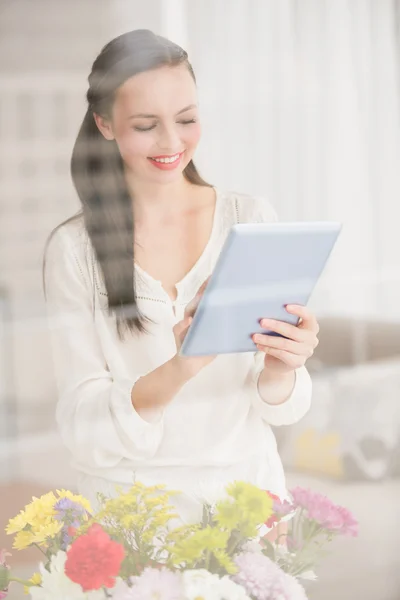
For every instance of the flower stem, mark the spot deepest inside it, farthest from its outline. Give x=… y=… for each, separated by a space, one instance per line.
x=21 y=581
x=298 y=527
x=234 y=541
x=41 y=550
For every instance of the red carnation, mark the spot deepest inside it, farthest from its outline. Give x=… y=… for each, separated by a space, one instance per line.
x=94 y=559
x=271 y=521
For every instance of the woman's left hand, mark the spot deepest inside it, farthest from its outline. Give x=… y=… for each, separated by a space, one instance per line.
x=285 y=355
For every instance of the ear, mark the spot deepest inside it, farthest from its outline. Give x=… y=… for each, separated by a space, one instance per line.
x=104 y=126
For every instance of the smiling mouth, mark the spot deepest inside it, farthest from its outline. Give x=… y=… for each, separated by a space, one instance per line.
x=165 y=159
x=166 y=162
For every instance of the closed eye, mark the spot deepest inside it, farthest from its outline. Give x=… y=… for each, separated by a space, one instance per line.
x=136 y=128
x=186 y=122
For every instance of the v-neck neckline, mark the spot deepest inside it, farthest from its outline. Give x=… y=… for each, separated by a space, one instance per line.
x=181 y=284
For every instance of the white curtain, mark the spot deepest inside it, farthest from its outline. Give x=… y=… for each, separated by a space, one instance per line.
x=300 y=103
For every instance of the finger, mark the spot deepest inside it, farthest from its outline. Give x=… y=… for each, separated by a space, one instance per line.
x=308 y=319
x=191 y=307
x=287 y=329
x=203 y=285
x=271 y=341
x=291 y=332
x=292 y=360
x=182 y=325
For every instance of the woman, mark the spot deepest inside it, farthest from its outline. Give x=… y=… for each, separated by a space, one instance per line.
x=123 y=278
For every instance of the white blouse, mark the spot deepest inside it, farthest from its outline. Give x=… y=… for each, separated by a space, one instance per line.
x=217 y=427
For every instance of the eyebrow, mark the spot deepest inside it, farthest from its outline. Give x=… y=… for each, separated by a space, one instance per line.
x=147 y=116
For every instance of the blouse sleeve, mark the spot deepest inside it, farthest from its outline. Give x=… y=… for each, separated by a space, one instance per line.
x=290 y=411
x=95 y=416
x=299 y=402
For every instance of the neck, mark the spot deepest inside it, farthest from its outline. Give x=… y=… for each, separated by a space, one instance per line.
x=148 y=197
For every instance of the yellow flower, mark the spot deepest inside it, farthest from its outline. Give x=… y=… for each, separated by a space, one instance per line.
x=162 y=519
x=75 y=498
x=41 y=508
x=46 y=501
x=16 y=524
x=23 y=539
x=129 y=521
x=255 y=505
x=40 y=511
x=42 y=534
x=237 y=488
x=36 y=524
x=225 y=561
x=147 y=537
x=36 y=579
x=156 y=502
x=139 y=508
x=199 y=545
x=36 y=516
x=228 y=514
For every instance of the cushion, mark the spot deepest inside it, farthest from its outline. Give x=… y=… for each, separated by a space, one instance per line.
x=352 y=430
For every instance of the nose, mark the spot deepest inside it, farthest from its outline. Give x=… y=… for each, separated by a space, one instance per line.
x=169 y=139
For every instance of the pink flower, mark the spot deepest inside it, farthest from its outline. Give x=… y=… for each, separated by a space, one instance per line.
x=301 y=497
x=324 y=512
x=264 y=580
x=280 y=509
x=349 y=523
x=283 y=508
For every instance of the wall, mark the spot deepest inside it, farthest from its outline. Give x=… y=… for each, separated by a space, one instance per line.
x=46 y=51
x=259 y=108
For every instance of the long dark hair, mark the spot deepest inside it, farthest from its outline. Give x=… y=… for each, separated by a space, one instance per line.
x=98 y=173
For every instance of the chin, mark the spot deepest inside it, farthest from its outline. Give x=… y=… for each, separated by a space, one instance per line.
x=168 y=176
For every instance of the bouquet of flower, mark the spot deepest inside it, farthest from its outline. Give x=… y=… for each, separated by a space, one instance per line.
x=128 y=549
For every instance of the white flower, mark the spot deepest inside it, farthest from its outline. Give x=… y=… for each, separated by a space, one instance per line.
x=199 y=583
x=202 y=584
x=307 y=575
x=55 y=583
x=120 y=590
x=229 y=590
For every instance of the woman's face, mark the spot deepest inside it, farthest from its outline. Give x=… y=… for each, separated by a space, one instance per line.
x=155 y=123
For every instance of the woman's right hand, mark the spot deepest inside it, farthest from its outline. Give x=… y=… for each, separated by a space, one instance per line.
x=189 y=365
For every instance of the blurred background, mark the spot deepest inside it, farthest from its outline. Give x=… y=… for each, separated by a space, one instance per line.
x=300 y=103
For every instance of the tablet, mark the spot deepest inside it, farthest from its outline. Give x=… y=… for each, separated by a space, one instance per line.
x=261 y=268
